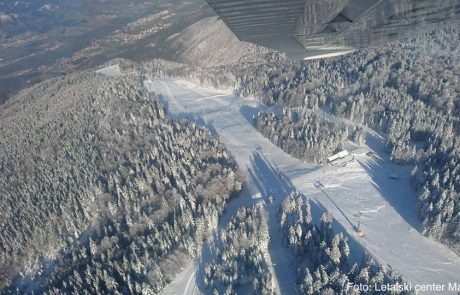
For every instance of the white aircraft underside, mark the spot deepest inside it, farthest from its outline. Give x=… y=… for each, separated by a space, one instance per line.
x=306 y=29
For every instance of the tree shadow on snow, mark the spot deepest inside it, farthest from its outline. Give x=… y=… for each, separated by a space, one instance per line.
x=250 y=112
x=397 y=192
x=269 y=181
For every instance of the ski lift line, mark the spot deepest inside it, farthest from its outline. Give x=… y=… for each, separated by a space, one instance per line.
x=338 y=208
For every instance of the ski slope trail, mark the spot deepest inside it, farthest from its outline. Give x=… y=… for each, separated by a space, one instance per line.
x=360 y=193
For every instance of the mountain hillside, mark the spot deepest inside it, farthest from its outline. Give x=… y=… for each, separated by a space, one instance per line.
x=209 y=42
x=97 y=183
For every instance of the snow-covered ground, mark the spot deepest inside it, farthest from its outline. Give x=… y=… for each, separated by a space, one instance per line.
x=362 y=191
x=110 y=71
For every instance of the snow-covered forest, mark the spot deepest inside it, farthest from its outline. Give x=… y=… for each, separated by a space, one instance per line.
x=323 y=256
x=101 y=192
x=240 y=261
x=305 y=135
x=410 y=93
x=407 y=90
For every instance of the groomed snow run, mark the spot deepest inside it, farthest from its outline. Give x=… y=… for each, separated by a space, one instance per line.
x=362 y=191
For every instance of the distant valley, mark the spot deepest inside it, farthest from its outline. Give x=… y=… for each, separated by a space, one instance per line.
x=43 y=39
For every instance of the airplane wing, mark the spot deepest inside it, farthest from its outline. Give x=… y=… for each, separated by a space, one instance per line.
x=316 y=28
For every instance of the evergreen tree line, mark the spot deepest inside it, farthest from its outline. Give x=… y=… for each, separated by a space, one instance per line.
x=306 y=135
x=323 y=258
x=101 y=192
x=240 y=260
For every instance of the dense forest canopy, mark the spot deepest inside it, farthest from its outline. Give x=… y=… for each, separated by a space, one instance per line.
x=101 y=192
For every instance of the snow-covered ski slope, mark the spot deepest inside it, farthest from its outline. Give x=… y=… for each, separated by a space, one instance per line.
x=362 y=191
